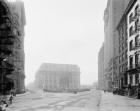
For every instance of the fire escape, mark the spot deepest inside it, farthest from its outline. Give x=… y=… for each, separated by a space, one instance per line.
x=6 y=49
x=136 y=46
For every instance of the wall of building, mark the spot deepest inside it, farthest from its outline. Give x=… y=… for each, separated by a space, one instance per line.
x=112 y=16
x=123 y=50
x=133 y=22
x=58 y=77
x=101 y=69
x=16 y=58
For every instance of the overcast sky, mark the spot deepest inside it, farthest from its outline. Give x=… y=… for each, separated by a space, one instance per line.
x=64 y=31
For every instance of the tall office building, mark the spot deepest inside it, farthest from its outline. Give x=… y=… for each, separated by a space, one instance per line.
x=101 y=78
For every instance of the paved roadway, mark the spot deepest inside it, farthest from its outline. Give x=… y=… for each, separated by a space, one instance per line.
x=83 y=101
x=39 y=101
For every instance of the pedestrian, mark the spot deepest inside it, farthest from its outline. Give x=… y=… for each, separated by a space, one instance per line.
x=11 y=99
x=12 y=92
x=138 y=91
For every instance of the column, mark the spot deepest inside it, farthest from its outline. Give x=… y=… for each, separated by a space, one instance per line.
x=128 y=79
x=134 y=83
x=139 y=77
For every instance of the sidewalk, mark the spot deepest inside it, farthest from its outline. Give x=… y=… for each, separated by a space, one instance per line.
x=110 y=102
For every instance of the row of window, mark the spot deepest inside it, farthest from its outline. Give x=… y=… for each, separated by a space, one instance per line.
x=123 y=57
x=136 y=76
x=133 y=45
x=122 y=46
x=136 y=60
x=134 y=14
x=122 y=33
x=123 y=67
x=134 y=29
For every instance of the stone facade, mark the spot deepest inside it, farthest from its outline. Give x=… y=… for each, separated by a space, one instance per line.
x=129 y=47
x=18 y=13
x=123 y=51
x=133 y=41
x=58 y=77
x=101 y=77
x=112 y=16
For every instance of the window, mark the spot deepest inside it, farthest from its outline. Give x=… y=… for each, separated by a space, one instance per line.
x=136 y=59
x=136 y=25
x=136 y=10
x=137 y=78
x=120 y=69
x=123 y=32
x=120 y=59
x=126 y=43
x=126 y=54
x=131 y=31
x=131 y=45
x=119 y=49
x=120 y=34
x=125 y=66
x=130 y=17
x=122 y=56
x=131 y=79
x=136 y=40
x=131 y=62
x=123 y=46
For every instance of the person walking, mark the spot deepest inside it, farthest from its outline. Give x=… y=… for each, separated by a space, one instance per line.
x=11 y=99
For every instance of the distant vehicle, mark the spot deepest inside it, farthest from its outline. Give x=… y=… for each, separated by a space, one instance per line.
x=75 y=92
x=115 y=90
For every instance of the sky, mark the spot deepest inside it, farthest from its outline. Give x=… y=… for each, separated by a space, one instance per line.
x=64 y=31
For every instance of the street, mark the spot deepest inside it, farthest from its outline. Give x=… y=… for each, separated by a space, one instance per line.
x=40 y=101
x=83 y=101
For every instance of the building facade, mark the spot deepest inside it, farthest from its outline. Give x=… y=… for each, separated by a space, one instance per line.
x=101 y=78
x=133 y=30
x=112 y=16
x=123 y=52
x=58 y=77
x=13 y=40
